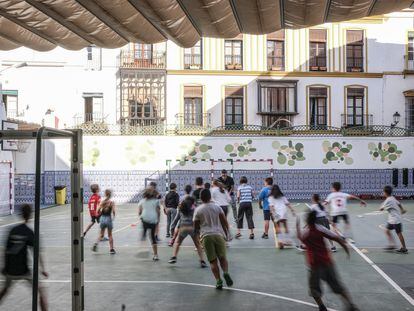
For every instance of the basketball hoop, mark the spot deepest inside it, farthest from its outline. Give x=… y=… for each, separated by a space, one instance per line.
x=22 y=145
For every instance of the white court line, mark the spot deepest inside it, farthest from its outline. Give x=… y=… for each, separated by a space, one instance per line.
x=384 y=275
x=198 y=285
x=125 y=227
x=407 y=219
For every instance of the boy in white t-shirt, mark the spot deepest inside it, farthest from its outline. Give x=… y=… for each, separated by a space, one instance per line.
x=394 y=209
x=338 y=201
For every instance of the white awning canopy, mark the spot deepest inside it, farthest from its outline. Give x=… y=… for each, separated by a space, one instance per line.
x=74 y=24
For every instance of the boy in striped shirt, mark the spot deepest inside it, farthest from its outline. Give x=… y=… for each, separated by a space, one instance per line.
x=245 y=198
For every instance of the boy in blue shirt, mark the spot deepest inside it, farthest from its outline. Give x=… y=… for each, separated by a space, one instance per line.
x=264 y=205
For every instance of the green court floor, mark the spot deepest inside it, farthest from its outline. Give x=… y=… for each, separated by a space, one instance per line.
x=265 y=278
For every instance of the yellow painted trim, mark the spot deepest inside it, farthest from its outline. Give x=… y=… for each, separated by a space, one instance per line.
x=329 y=102
x=181 y=101
x=374 y=75
x=245 y=119
x=346 y=87
x=223 y=89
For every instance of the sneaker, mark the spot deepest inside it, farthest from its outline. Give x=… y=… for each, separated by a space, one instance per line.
x=389 y=248
x=95 y=247
x=203 y=264
x=167 y=235
x=219 y=284
x=155 y=258
x=112 y=252
x=265 y=236
x=301 y=248
x=333 y=249
x=322 y=308
x=402 y=251
x=172 y=260
x=104 y=239
x=238 y=235
x=251 y=236
x=228 y=279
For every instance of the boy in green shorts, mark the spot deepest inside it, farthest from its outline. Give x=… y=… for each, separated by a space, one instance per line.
x=210 y=221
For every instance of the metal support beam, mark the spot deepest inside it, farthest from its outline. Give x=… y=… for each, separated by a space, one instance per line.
x=77 y=222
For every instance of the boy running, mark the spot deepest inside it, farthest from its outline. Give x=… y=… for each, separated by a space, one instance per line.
x=185 y=217
x=321 y=266
x=210 y=221
x=337 y=201
x=245 y=199
x=264 y=205
x=176 y=227
x=199 y=185
x=93 y=205
x=172 y=199
x=16 y=267
x=107 y=211
x=394 y=209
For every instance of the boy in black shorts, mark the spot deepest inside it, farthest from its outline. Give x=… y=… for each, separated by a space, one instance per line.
x=394 y=209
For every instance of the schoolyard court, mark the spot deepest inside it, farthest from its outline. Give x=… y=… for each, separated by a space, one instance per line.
x=265 y=278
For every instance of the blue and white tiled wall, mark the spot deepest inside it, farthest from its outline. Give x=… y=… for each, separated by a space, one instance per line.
x=296 y=184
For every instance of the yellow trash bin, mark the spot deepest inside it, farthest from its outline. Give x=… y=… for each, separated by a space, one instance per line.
x=60 y=195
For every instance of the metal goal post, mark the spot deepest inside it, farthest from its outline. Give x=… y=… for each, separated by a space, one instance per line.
x=76 y=206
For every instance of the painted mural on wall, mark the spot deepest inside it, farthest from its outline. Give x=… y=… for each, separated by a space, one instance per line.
x=337 y=152
x=385 y=152
x=91 y=154
x=196 y=152
x=289 y=153
x=143 y=152
x=240 y=149
x=119 y=153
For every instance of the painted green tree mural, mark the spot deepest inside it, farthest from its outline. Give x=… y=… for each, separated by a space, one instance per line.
x=196 y=152
x=139 y=152
x=385 y=152
x=240 y=150
x=337 y=152
x=289 y=153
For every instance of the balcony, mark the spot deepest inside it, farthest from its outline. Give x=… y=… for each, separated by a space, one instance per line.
x=157 y=60
x=353 y=120
x=192 y=61
x=409 y=65
x=194 y=119
x=87 y=118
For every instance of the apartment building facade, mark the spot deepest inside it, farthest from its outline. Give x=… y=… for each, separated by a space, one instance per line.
x=357 y=73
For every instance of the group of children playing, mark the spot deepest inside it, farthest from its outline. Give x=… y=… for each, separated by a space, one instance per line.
x=202 y=215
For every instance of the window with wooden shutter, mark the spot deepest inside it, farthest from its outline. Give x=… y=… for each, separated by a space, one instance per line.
x=354 y=50
x=318 y=97
x=233 y=106
x=233 y=54
x=276 y=51
x=317 y=49
x=193 y=105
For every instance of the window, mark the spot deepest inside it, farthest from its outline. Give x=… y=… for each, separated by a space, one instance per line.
x=93 y=58
x=354 y=50
x=193 y=57
x=277 y=102
x=317 y=49
x=233 y=106
x=354 y=107
x=93 y=107
x=142 y=112
x=318 y=106
x=276 y=51
x=10 y=100
x=142 y=51
x=410 y=51
x=409 y=112
x=193 y=106
x=233 y=58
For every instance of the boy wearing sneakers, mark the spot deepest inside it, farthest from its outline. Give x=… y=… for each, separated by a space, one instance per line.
x=264 y=205
x=210 y=221
x=93 y=205
x=394 y=209
x=337 y=201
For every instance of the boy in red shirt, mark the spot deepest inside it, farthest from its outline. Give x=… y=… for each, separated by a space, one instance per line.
x=93 y=205
x=321 y=265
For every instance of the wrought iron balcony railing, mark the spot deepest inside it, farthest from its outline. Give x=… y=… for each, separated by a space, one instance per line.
x=83 y=118
x=193 y=119
x=155 y=60
x=351 y=120
x=192 y=61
